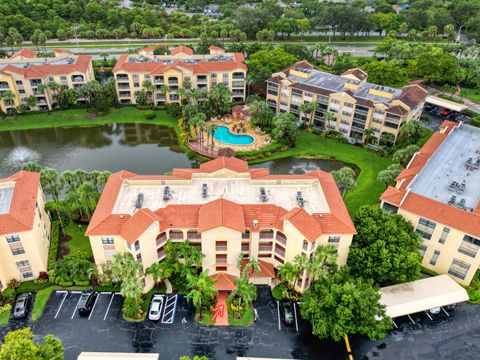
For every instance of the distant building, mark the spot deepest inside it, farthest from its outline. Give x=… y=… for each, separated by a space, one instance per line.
x=224 y=208
x=23 y=73
x=212 y=11
x=168 y=73
x=356 y=104
x=24 y=228
x=439 y=193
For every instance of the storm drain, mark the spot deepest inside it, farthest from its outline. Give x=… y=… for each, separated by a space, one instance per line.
x=169 y=309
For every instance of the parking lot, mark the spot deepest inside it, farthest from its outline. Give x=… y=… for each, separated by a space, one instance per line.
x=177 y=334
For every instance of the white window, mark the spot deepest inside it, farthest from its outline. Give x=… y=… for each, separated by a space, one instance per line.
x=13 y=238
x=107 y=240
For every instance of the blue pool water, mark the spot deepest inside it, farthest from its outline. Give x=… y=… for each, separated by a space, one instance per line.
x=224 y=135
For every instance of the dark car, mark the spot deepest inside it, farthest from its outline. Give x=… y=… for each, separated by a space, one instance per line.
x=86 y=302
x=286 y=310
x=21 y=306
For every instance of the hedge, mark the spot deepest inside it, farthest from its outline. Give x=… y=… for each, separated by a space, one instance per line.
x=53 y=250
x=263 y=152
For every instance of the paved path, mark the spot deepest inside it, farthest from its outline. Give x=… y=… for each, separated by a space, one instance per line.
x=222 y=301
x=168 y=285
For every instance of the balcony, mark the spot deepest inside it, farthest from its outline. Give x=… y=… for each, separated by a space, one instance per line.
x=158 y=80
x=282 y=239
x=123 y=86
x=266 y=234
x=201 y=79
x=161 y=254
x=191 y=235
x=361 y=112
x=176 y=235
x=221 y=248
x=238 y=84
x=238 y=76
x=221 y=260
x=161 y=239
x=237 y=92
x=279 y=252
x=78 y=78
x=4 y=85
x=122 y=77
x=245 y=247
x=265 y=248
x=124 y=94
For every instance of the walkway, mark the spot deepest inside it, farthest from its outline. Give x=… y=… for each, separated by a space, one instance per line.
x=168 y=285
x=222 y=300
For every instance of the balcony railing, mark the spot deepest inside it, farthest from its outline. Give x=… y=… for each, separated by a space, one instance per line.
x=281 y=239
x=221 y=260
x=77 y=79
x=161 y=240
x=266 y=235
x=238 y=76
x=194 y=236
x=122 y=77
x=265 y=248
x=161 y=254
x=176 y=236
x=246 y=247
x=221 y=248
x=279 y=252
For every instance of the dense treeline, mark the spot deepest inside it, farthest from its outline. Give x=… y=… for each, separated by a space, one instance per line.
x=106 y=19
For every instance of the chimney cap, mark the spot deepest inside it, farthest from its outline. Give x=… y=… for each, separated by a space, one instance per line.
x=255 y=223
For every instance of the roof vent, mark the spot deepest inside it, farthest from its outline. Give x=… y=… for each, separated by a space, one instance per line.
x=255 y=223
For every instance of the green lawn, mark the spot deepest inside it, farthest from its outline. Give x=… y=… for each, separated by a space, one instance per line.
x=368 y=189
x=472 y=94
x=78 y=117
x=79 y=241
x=246 y=320
x=40 y=301
x=4 y=317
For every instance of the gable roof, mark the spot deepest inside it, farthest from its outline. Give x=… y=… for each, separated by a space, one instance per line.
x=224 y=162
x=25 y=53
x=181 y=50
x=304 y=223
x=21 y=214
x=221 y=212
x=137 y=224
x=357 y=72
x=224 y=281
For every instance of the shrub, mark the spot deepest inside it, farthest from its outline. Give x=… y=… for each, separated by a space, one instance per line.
x=174 y=110
x=53 y=250
x=149 y=115
x=144 y=107
x=65 y=283
x=82 y=282
x=8 y=293
x=5 y=308
x=40 y=281
x=13 y=284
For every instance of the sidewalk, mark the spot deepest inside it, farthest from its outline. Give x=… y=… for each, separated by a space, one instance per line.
x=222 y=300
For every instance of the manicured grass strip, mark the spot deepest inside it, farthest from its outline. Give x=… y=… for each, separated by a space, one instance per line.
x=79 y=241
x=472 y=94
x=368 y=189
x=40 y=301
x=4 y=317
x=244 y=321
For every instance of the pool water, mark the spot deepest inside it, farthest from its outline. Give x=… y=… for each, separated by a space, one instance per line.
x=223 y=134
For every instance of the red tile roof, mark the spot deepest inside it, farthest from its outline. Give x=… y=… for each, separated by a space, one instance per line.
x=357 y=72
x=25 y=53
x=81 y=65
x=224 y=281
x=468 y=222
x=221 y=212
x=181 y=50
x=412 y=95
x=266 y=269
x=21 y=215
x=137 y=224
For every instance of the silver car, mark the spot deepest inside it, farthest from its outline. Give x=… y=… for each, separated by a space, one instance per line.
x=21 y=306
x=155 y=307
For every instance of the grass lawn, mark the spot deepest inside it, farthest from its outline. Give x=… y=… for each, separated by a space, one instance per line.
x=4 y=317
x=472 y=94
x=245 y=320
x=79 y=241
x=78 y=117
x=368 y=189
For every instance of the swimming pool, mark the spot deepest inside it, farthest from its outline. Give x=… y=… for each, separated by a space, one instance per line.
x=223 y=134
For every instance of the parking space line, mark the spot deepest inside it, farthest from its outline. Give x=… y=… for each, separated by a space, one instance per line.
x=94 y=304
x=61 y=304
x=75 y=292
x=295 y=312
x=108 y=308
x=76 y=308
x=278 y=314
x=166 y=318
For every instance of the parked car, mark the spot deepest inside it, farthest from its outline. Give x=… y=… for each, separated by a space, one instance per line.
x=286 y=310
x=155 y=307
x=86 y=302
x=21 y=306
x=445 y=112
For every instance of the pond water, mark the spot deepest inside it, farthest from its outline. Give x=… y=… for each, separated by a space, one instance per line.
x=140 y=148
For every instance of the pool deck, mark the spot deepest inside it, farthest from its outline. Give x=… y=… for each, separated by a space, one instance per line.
x=261 y=140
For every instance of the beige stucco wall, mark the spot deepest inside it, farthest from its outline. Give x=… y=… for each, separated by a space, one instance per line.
x=35 y=243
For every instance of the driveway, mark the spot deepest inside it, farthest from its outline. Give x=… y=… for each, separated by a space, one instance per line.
x=176 y=333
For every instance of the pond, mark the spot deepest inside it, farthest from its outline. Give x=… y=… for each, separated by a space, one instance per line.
x=140 y=148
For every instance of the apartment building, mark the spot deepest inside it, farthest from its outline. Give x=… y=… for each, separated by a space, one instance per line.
x=439 y=193
x=168 y=73
x=24 y=228
x=355 y=104
x=24 y=72
x=224 y=208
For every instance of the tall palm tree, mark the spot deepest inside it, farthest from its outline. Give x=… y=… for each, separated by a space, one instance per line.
x=31 y=101
x=245 y=292
x=88 y=198
x=150 y=88
x=159 y=271
x=288 y=273
x=52 y=185
x=328 y=116
x=322 y=263
x=369 y=136
x=211 y=127
x=309 y=108
x=202 y=291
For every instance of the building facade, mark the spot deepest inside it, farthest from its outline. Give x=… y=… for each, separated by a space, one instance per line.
x=354 y=104
x=168 y=73
x=24 y=228
x=23 y=73
x=224 y=208
x=439 y=193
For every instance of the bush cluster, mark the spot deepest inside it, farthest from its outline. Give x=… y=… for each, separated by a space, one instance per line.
x=149 y=115
x=53 y=250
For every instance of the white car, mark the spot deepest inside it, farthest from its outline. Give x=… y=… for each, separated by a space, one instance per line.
x=155 y=307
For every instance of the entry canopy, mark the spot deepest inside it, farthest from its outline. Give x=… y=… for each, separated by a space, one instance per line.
x=444 y=103
x=421 y=295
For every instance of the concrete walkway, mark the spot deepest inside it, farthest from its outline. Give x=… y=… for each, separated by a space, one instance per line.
x=168 y=285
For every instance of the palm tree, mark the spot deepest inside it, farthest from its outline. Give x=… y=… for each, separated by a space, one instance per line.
x=52 y=185
x=329 y=116
x=288 y=273
x=31 y=101
x=309 y=108
x=88 y=197
x=159 y=272
x=164 y=89
x=245 y=292
x=369 y=136
x=147 y=85
x=211 y=127
x=72 y=183
x=202 y=291
x=322 y=263
x=98 y=178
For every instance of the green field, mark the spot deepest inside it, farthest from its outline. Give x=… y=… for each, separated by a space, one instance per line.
x=4 y=317
x=472 y=94
x=79 y=241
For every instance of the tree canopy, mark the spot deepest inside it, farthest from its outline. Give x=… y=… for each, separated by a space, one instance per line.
x=18 y=344
x=339 y=305
x=386 y=73
x=263 y=63
x=385 y=248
